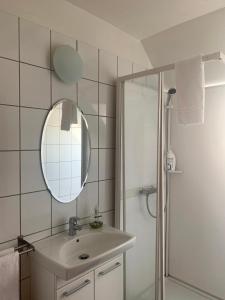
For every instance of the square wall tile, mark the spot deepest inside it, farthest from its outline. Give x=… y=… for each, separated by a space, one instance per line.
x=124 y=67
x=31 y=238
x=106 y=195
x=9 y=46
x=138 y=68
x=88 y=96
x=31 y=174
x=9 y=128
x=58 y=39
x=108 y=218
x=60 y=228
x=61 y=212
x=9 y=173
x=107 y=67
x=35 y=212
x=93 y=170
x=106 y=164
x=32 y=121
x=35 y=86
x=89 y=56
x=107 y=100
x=9 y=82
x=92 y=122
x=106 y=132
x=9 y=218
x=34 y=44
x=61 y=90
x=88 y=200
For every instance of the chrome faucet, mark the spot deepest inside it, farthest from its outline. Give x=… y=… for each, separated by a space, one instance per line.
x=73 y=226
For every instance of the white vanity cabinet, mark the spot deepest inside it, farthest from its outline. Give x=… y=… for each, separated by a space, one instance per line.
x=109 y=281
x=80 y=289
x=100 y=283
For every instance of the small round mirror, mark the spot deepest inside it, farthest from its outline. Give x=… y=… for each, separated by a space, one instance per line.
x=67 y=64
x=65 y=151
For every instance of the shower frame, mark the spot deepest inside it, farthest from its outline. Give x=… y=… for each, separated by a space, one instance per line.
x=120 y=204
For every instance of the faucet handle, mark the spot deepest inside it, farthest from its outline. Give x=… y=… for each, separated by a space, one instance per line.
x=74 y=219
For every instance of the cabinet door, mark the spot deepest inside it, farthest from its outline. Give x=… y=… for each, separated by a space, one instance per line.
x=109 y=280
x=80 y=289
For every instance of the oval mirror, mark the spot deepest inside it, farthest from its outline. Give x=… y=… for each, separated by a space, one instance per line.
x=65 y=151
x=67 y=64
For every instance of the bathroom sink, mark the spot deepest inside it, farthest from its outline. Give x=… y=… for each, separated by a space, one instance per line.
x=67 y=256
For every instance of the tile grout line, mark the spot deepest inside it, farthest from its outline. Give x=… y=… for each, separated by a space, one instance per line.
x=98 y=126
x=20 y=146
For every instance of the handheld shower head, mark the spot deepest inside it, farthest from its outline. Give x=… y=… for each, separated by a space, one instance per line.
x=170 y=93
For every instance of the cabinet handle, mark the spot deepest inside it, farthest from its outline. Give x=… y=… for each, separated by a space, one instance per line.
x=76 y=289
x=102 y=273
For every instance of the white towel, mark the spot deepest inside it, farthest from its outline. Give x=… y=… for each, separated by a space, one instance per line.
x=9 y=279
x=190 y=85
x=69 y=115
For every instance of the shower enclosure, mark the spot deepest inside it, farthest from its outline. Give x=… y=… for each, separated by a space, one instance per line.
x=143 y=187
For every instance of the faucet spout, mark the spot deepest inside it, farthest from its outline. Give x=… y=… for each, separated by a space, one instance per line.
x=74 y=226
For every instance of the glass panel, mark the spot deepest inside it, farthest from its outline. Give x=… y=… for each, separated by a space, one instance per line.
x=140 y=139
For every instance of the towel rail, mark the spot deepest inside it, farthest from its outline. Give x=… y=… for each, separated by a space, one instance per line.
x=23 y=246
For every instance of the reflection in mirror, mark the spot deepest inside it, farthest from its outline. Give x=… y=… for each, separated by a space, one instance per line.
x=65 y=151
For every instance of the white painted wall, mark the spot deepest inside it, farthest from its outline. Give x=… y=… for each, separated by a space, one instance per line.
x=66 y=18
x=197 y=215
x=202 y=35
x=197 y=211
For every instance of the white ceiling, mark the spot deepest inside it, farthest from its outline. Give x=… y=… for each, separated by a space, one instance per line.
x=143 y=18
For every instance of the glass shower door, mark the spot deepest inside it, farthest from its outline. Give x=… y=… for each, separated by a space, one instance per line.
x=141 y=134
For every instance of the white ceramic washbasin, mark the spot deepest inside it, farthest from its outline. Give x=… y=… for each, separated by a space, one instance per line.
x=60 y=253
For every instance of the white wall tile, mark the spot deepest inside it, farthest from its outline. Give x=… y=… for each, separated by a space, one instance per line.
x=107 y=100
x=106 y=164
x=61 y=90
x=32 y=121
x=106 y=132
x=9 y=218
x=107 y=67
x=60 y=228
x=35 y=212
x=124 y=67
x=137 y=68
x=34 y=86
x=88 y=200
x=9 y=128
x=9 y=36
x=34 y=44
x=61 y=212
x=108 y=218
x=93 y=129
x=38 y=236
x=89 y=56
x=31 y=174
x=9 y=173
x=9 y=82
x=93 y=171
x=88 y=96
x=106 y=195
x=7 y=245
